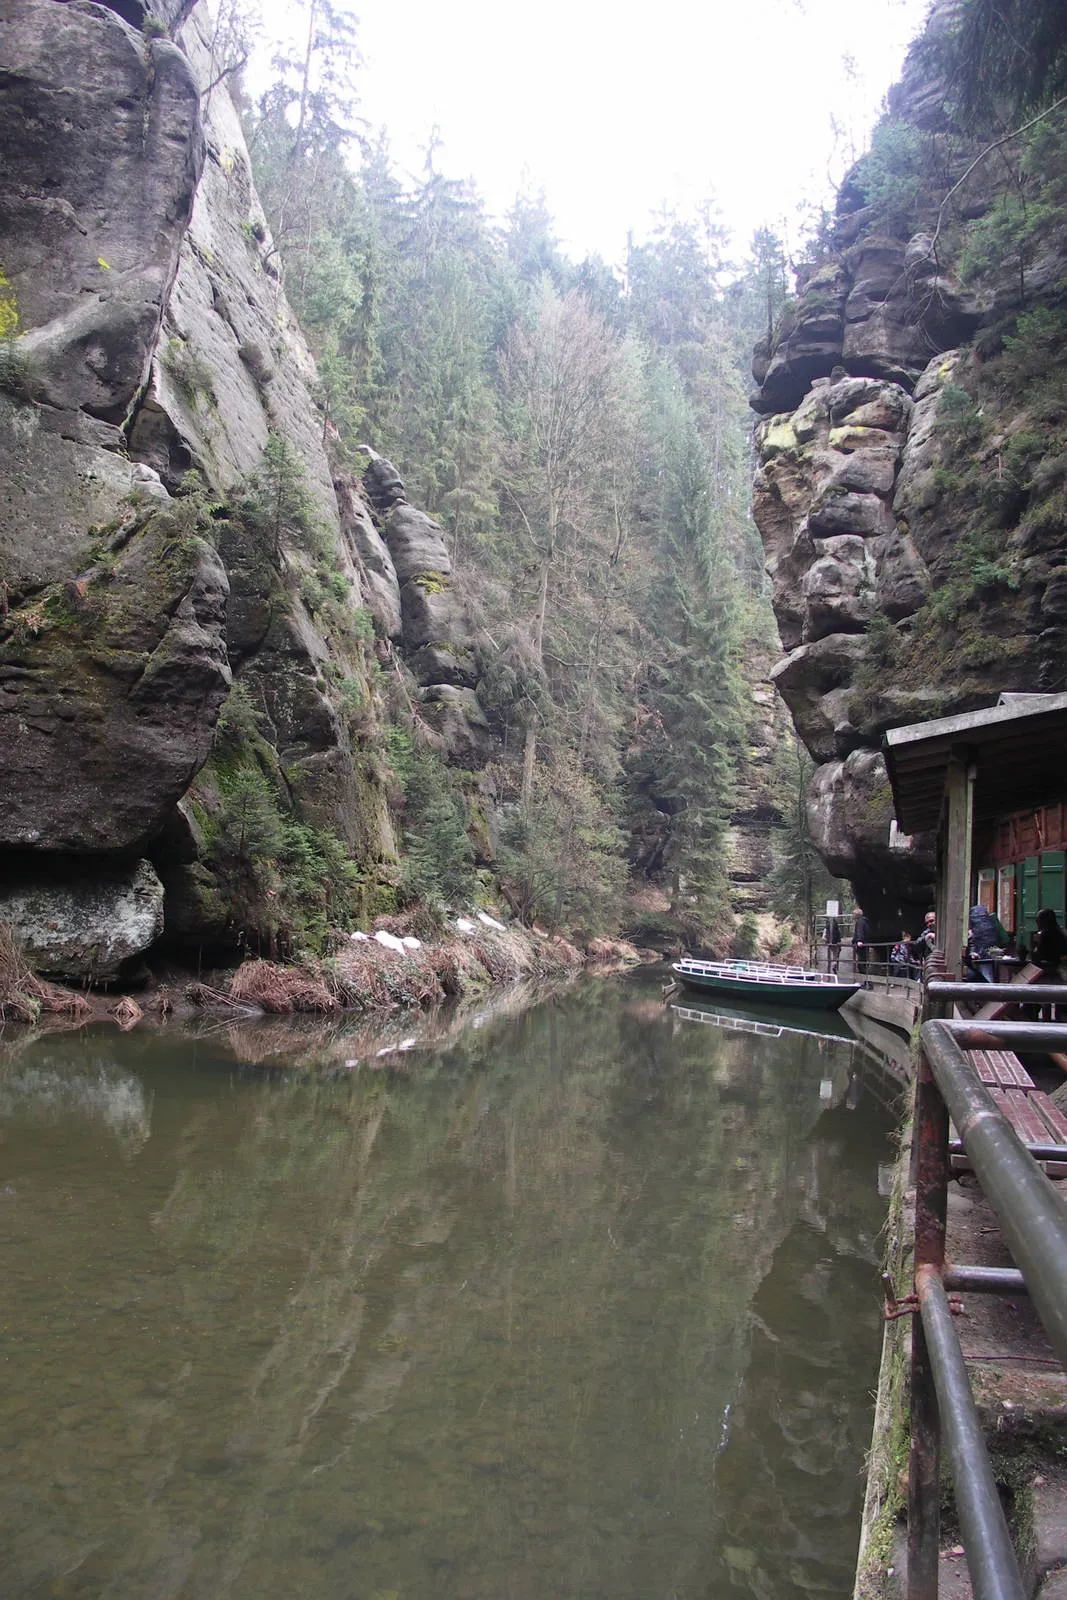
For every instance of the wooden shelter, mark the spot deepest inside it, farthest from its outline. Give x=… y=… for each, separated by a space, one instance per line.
x=992 y=785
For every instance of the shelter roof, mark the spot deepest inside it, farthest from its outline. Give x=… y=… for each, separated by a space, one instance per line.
x=1019 y=747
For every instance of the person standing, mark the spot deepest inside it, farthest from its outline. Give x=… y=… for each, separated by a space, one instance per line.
x=1050 y=944
x=861 y=941
x=833 y=944
x=924 y=944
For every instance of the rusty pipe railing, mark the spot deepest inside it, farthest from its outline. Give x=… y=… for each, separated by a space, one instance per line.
x=990 y=1557
x=1031 y=1215
x=1034 y=1224
x=979 y=993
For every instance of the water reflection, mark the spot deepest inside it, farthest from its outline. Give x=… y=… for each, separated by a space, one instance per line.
x=582 y=1303
x=50 y=1087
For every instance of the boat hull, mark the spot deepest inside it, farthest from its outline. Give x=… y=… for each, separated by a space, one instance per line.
x=765 y=992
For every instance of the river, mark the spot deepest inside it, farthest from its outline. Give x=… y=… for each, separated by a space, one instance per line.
x=578 y=1301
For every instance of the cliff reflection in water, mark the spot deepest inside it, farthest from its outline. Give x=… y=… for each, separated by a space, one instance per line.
x=585 y=1305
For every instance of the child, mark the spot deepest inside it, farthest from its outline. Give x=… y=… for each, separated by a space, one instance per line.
x=900 y=956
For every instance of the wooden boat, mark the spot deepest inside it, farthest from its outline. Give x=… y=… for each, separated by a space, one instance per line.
x=763 y=982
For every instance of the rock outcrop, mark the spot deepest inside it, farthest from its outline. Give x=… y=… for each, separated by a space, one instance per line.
x=757 y=804
x=148 y=338
x=83 y=919
x=110 y=686
x=102 y=150
x=434 y=631
x=909 y=578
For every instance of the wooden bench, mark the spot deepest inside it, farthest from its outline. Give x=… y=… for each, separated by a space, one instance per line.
x=996 y=1010
x=1029 y=1110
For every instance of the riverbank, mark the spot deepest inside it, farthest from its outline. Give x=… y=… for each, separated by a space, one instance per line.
x=389 y=970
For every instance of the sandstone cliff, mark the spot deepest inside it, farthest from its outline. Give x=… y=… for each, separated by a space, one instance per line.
x=170 y=526
x=909 y=486
x=224 y=656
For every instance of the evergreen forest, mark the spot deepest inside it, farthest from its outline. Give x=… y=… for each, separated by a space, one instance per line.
x=582 y=435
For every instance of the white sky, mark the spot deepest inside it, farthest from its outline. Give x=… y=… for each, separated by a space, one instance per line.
x=615 y=109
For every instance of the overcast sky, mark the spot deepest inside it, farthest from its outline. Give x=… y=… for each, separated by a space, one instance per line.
x=618 y=109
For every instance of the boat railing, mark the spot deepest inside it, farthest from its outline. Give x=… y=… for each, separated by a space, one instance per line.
x=767 y=970
x=770 y=1030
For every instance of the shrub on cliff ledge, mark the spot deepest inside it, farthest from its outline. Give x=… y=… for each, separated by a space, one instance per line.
x=278 y=501
x=892 y=174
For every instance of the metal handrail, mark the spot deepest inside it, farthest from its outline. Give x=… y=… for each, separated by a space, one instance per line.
x=877 y=968
x=1031 y=1214
x=990 y=1555
x=1022 y=994
x=1034 y=1225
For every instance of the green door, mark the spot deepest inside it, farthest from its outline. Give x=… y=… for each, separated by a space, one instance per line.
x=1052 y=881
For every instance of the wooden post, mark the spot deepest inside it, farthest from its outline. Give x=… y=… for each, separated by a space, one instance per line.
x=955 y=885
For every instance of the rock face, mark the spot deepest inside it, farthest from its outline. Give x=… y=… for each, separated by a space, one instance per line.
x=369 y=551
x=840 y=554
x=434 y=630
x=84 y=921
x=915 y=568
x=153 y=337
x=110 y=686
x=756 y=812
x=230 y=366
x=102 y=149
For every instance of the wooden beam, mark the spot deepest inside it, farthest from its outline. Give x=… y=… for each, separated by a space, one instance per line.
x=955 y=886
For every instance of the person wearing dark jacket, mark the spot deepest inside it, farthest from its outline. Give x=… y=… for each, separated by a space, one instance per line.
x=833 y=944
x=1050 y=942
x=861 y=941
x=1047 y=951
x=927 y=940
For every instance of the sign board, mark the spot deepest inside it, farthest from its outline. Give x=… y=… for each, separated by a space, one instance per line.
x=833 y=908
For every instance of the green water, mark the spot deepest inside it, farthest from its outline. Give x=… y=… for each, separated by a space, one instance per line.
x=576 y=1302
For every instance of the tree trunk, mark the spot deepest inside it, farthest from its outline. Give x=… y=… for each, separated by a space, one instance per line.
x=529 y=761
x=594 y=665
x=529 y=754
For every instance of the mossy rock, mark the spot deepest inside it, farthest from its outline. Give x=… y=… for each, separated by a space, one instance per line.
x=779 y=439
x=116 y=676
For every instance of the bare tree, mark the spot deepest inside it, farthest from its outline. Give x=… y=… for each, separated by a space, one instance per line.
x=557 y=374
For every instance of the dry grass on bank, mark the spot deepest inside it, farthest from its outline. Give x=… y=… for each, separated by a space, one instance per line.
x=24 y=996
x=280 y=989
x=366 y=976
x=363 y=975
x=126 y=1012
x=370 y=978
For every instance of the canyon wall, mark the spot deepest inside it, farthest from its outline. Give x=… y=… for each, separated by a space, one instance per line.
x=214 y=640
x=909 y=490
x=169 y=523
